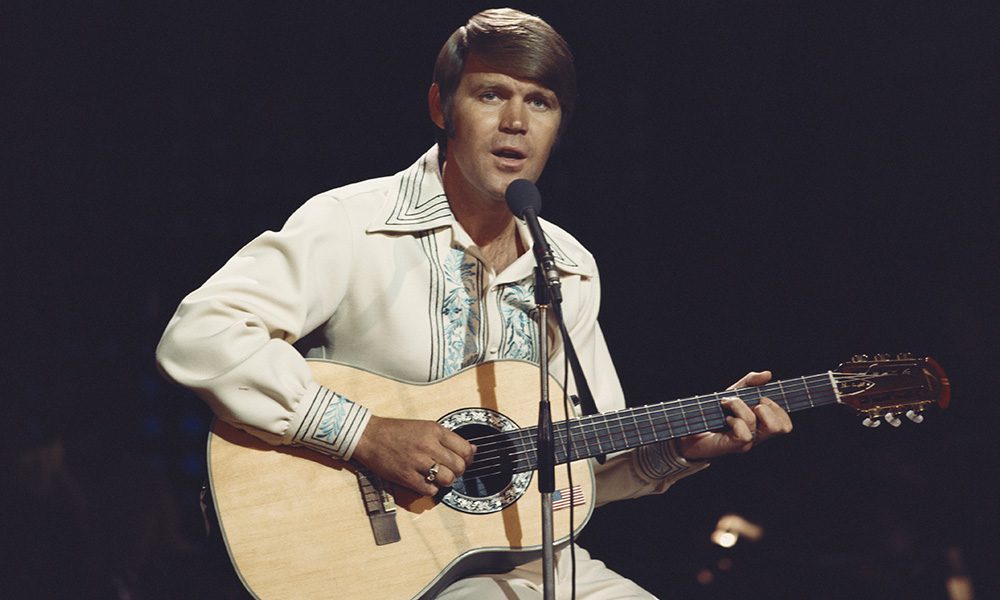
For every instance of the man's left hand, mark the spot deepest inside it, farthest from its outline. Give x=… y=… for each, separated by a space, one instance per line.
x=747 y=426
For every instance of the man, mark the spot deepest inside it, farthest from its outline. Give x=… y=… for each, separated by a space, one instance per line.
x=419 y=275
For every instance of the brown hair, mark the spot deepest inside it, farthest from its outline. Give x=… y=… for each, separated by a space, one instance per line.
x=514 y=43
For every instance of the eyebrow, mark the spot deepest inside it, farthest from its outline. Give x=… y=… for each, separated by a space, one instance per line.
x=493 y=80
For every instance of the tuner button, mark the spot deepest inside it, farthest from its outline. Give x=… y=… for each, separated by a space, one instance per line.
x=892 y=420
x=914 y=416
x=870 y=422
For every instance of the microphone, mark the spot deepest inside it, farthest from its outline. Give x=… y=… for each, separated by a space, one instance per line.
x=525 y=201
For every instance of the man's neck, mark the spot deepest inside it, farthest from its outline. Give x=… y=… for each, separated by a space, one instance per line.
x=485 y=223
x=488 y=222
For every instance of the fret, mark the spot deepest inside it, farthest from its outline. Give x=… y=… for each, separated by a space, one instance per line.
x=581 y=441
x=594 y=444
x=701 y=410
x=569 y=437
x=689 y=415
x=659 y=418
x=808 y=392
x=651 y=417
x=622 y=436
x=783 y=398
x=668 y=427
x=559 y=442
x=674 y=426
x=604 y=436
x=719 y=417
x=638 y=429
x=762 y=392
x=751 y=395
x=619 y=438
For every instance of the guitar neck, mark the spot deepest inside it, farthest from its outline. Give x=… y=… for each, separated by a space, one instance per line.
x=630 y=428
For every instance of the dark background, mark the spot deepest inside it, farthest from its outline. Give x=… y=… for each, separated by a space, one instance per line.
x=765 y=185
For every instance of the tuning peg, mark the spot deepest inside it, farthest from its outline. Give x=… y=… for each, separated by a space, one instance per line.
x=870 y=422
x=904 y=356
x=881 y=357
x=914 y=416
x=859 y=358
x=891 y=419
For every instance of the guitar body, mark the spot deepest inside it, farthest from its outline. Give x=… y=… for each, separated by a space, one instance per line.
x=296 y=526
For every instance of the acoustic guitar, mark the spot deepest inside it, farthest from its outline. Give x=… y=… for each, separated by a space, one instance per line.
x=301 y=525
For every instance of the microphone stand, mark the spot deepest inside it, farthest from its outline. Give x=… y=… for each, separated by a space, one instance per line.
x=524 y=201
x=545 y=446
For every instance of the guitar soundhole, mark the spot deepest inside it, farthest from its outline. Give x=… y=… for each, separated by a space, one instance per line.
x=491 y=470
x=490 y=483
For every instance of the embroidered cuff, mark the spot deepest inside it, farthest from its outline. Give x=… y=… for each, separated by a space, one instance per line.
x=332 y=424
x=663 y=461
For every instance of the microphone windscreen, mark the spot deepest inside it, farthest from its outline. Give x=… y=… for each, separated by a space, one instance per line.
x=521 y=195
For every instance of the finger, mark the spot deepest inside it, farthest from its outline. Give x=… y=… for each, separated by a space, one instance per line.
x=751 y=379
x=445 y=477
x=433 y=478
x=739 y=409
x=455 y=463
x=740 y=433
x=772 y=418
x=458 y=444
x=418 y=483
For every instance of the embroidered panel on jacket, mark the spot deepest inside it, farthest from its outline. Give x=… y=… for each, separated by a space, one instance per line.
x=455 y=309
x=459 y=321
x=519 y=338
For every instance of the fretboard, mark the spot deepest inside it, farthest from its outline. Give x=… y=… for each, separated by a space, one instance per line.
x=630 y=428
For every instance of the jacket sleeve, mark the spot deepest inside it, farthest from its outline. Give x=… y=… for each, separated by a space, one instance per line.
x=231 y=339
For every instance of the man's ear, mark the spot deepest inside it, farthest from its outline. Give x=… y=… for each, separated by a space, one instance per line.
x=434 y=105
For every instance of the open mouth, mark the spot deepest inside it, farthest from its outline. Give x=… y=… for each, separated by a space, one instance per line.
x=509 y=153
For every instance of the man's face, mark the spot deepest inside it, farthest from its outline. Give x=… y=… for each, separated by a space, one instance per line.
x=504 y=130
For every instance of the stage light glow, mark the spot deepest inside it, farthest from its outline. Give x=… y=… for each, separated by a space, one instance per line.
x=731 y=528
x=726 y=539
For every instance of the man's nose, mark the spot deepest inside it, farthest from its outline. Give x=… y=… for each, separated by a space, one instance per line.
x=514 y=118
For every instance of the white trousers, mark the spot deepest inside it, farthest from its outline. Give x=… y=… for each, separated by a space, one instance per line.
x=594 y=581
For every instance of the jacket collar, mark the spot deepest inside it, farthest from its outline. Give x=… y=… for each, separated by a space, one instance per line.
x=417 y=203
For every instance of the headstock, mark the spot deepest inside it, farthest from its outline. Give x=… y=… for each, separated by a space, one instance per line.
x=888 y=386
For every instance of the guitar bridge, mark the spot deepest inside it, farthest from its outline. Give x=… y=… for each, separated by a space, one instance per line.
x=380 y=506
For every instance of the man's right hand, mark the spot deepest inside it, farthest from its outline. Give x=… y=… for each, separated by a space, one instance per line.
x=403 y=450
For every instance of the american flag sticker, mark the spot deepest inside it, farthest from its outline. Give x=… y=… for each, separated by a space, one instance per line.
x=561 y=498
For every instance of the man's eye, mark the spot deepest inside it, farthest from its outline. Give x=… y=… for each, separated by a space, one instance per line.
x=489 y=96
x=540 y=103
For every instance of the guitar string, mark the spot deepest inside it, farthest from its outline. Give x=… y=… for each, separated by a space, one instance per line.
x=524 y=438
x=646 y=413
x=665 y=407
x=526 y=458
x=489 y=447
x=634 y=436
